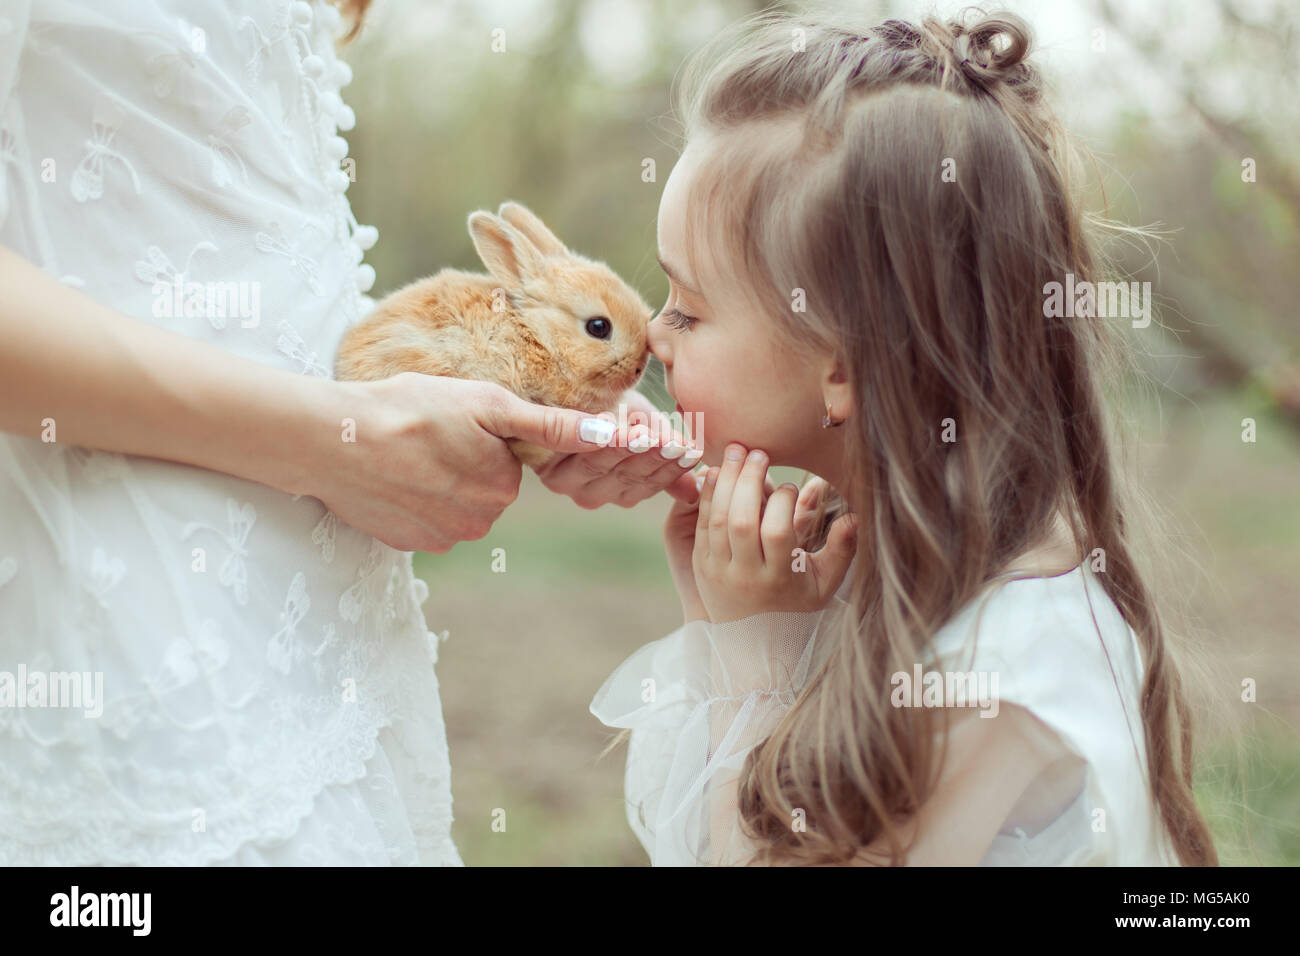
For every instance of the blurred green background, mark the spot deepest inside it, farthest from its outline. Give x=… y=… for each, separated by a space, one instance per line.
x=1173 y=99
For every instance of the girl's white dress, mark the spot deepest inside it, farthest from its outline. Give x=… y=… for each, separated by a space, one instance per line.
x=268 y=685
x=700 y=699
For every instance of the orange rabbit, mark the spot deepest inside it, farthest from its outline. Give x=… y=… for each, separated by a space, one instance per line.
x=552 y=326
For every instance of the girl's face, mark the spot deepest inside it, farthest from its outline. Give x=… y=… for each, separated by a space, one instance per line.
x=733 y=380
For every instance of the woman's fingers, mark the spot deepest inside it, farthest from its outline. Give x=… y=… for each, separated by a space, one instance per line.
x=632 y=468
x=642 y=465
x=745 y=510
x=656 y=455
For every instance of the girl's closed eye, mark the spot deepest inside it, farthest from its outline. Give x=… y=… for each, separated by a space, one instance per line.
x=679 y=320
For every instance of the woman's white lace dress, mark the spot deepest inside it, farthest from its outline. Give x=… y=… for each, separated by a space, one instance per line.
x=701 y=698
x=269 y=693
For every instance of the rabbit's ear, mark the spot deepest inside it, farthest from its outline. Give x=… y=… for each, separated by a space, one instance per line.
x=506 y=252
x=523 y=219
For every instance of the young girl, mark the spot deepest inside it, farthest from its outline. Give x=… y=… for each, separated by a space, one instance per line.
x=971 y=669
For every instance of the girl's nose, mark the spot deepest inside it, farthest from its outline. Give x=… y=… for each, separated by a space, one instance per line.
x=658 y=341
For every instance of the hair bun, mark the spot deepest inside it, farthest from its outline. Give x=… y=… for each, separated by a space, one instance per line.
x=989 y=51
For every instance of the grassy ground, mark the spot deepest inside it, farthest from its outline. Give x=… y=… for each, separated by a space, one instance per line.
x=529 y=647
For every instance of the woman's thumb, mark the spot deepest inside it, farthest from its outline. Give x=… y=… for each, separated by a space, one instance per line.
x=558 y=429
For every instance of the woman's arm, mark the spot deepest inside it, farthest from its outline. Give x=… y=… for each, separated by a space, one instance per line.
x=111 y=382
x=427 y=466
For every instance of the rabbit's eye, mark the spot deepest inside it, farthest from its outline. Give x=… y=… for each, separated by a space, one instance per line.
x=599 y=327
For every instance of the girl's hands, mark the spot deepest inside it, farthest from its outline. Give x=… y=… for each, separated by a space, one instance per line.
x=679 y=545
x=743 y=557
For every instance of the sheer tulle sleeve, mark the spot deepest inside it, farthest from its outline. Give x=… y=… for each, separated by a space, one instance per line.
x=697 y=702
x=1050 y=770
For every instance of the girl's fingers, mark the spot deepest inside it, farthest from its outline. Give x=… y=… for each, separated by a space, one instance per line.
x=745 y=510
x=810 y=492
x=706 y=509
x=777 y=529
x=832 y=562
x=809 y=495
x=719 y=535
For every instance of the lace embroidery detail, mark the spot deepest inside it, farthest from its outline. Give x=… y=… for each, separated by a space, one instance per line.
x=225 y=161
x=166 y=67
x=328 y=633
x=156 y=267
x=323 y=535
x=291 y=344
x=104 y=575
x=353 y=601
x=262 y=44
x=283 y=648
x=326 y=738
x=88 y=177
x=277 y=243
x=290 y=27
x=234 y=573
x=171 y=290
x=185 y=659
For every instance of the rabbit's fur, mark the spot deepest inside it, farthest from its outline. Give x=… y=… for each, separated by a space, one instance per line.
x=525 y=326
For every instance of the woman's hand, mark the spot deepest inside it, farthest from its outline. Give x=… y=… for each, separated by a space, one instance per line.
x=743 y=556
x=426 y=465
x=421 y=466
x=631 y=467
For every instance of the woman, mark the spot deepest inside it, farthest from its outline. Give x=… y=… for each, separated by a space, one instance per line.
x=177 y=263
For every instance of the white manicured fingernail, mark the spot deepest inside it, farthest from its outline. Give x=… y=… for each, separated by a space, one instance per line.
x=691 y=458
x=672 y=450
x=596 y=430
x=639 y=444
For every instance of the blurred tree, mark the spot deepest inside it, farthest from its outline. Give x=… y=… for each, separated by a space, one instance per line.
x=1229 y=183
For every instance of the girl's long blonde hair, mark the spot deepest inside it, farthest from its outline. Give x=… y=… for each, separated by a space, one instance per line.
x=913 y=182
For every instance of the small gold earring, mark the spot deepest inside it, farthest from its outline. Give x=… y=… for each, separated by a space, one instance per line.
x=828 y=422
